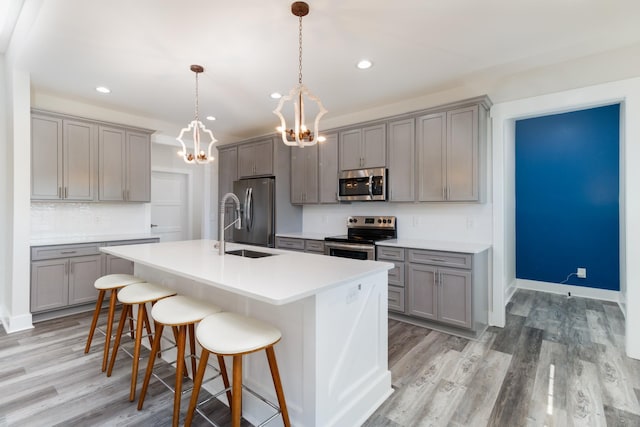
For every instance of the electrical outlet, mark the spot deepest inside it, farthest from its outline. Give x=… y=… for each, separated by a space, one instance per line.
x=581 y=273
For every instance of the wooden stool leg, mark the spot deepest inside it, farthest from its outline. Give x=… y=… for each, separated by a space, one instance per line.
x=197 y=383
x=236 y=392
x=192 y=348
x=142 y=315
x=94 y=322
x=148 y=325
x=225 y=377
x=275 y=374
x=182 y=332
x=126 y=309
x=107 y=339
x=152 y=359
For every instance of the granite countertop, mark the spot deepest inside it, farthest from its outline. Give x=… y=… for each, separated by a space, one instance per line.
x=434 y=245
x=285 y=277
x=87 y=238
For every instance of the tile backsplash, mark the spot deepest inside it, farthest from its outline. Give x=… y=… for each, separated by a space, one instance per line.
x=78 y=219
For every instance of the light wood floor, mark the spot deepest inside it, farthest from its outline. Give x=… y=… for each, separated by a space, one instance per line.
x=558 y=362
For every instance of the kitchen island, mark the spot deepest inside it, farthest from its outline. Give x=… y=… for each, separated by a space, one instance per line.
x=332 y=313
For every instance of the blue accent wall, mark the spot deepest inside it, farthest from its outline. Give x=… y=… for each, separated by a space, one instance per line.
x=567 y=189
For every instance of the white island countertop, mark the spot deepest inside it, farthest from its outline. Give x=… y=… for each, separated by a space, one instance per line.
x=285 y=277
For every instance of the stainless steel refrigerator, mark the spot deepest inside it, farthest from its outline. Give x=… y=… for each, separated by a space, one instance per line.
x=257 y=207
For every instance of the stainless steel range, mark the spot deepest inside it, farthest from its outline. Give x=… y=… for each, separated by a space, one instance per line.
x=362 y=234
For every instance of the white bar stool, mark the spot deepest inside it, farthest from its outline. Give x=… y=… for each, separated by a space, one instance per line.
x=231 y=334
x=110 y=282
x=139 y=294
x=179 y=312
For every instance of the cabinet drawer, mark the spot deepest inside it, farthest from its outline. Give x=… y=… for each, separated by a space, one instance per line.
x=396 y=274
x=389 y=253
x=292 y=244
x=64 y=251
x=449 y=259
x=314 y=246
x=396 y=299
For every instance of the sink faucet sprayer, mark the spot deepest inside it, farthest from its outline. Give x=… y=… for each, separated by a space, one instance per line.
x=222 y=228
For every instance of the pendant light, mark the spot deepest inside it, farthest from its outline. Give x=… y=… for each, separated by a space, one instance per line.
x=299 y=135
x=198 y=130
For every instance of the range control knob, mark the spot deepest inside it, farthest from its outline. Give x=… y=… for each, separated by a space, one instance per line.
x=379 y=220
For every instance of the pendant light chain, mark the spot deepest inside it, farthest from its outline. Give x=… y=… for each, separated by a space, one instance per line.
x=197 y=96
x=300 y=51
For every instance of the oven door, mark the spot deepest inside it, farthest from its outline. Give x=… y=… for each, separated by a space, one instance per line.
x=350 y=250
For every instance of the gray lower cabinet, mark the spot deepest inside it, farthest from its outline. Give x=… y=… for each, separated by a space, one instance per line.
x=301 y=245
x=63 y=276
x=437 y=291
x=444 y=287
x=396 y=276
x=290 y=243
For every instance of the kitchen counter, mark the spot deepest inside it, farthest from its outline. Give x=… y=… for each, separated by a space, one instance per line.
x=306 y=235
x=332 y=313
x=87 y=238
x=434 y=245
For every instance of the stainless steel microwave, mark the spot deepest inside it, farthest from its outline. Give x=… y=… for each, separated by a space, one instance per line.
x=362 y=184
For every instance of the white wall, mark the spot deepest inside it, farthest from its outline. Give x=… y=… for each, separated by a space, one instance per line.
x=4 y=198
x=504 y=116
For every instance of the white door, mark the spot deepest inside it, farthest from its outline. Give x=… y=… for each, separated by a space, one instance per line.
x=170 y=205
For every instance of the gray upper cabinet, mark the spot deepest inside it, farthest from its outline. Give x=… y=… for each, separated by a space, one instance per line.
x=328 y=169
x=363 y=147
x=63 y=156
x=255 y=158
x=78 y=159
x=227 y=169
x=138 y=188
x=227 y=174
x=448 y=156
x=124 y=170
x=401 y=160
x=304 y=174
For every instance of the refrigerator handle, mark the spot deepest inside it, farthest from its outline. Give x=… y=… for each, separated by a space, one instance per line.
x=246 y=209
x=249 y=208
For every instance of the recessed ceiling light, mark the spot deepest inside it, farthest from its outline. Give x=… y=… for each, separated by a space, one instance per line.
x=103 y=89
x=276 y=95
x=364 y=64
x=211 y=118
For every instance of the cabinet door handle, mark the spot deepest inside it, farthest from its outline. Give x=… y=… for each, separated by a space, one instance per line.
x=66 y=268
x=68 y=252
x=59 y=192
x=70 y=267
x=66 y=192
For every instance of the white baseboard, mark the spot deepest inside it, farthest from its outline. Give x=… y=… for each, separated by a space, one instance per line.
x=17 y=323
x=509 y=291
x=576 y=291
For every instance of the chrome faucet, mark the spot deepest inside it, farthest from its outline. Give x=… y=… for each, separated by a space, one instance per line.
x=222 y=228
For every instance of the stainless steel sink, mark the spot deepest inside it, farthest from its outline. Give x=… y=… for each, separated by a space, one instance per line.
x=249 y=253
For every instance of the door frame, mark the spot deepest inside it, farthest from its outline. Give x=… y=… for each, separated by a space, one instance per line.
x=189 y=175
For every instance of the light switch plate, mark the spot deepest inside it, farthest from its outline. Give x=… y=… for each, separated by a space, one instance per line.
x=582 y=273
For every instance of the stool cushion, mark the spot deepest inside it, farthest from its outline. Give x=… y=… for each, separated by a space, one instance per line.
x=182 y=310
x=138 y=293
x=231 y=333
x=111 y=281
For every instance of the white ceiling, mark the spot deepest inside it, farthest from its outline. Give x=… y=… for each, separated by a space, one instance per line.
x=142 y=50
